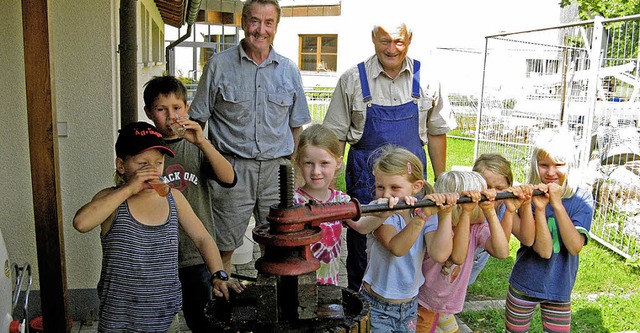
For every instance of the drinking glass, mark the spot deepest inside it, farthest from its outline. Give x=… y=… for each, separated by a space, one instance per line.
x=175 y=125
x=160 y=186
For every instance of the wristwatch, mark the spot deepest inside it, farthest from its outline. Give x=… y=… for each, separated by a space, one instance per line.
x=219 y=275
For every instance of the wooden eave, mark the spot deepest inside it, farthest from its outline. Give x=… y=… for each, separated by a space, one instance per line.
x=172 y=11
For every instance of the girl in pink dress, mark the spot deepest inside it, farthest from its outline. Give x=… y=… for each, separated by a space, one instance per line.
x=318 y=159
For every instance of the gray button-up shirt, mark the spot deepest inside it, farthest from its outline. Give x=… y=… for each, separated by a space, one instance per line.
x=251 y=108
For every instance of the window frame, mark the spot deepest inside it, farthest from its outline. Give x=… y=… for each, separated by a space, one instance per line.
x=318 y=54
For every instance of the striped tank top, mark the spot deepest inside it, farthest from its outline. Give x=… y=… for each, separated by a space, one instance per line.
x=139 y=289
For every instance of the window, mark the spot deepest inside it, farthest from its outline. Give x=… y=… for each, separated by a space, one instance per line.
x=318 y=53
x=144 y=34
x=542 y=67
x=156 y=41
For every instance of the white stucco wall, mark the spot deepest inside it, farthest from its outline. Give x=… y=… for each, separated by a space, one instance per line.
x=146 y=71
x=83 y=42
x=16 y=208
x=83 y=84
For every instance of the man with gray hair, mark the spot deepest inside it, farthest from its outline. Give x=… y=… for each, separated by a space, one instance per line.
x=383 y=101
x=253 y=101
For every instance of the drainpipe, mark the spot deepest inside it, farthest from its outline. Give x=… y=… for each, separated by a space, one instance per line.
x=170 y=52
x=128 y=50
x=192 y=13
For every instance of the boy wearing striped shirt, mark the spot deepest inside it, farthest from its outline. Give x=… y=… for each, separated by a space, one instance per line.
x=139 y=289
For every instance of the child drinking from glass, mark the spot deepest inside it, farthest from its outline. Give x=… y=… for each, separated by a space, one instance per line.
x=139 y=289
x=196 y=162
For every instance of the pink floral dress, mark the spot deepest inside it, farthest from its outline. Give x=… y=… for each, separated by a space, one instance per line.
x=328 y=249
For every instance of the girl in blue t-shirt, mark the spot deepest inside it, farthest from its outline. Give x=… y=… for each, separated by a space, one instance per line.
x=545 y=272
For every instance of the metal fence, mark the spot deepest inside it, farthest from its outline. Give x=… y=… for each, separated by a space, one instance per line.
x=583 y=76
x=318 y=99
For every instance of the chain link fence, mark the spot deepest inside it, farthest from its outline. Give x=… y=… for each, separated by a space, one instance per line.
x=582 y=76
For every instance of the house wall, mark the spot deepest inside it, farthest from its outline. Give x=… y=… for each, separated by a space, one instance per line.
x=155 y=65
x=85 y=89
x=16 y=207
x=437 y=28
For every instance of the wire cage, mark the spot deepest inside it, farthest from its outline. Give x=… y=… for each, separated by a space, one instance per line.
x=584 y=77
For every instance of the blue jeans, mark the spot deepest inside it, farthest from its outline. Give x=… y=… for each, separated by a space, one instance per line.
x=480 y=258
x=391 y=317
x=196 y=292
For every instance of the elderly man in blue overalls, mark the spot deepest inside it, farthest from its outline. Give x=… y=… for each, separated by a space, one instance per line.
x=382 y=101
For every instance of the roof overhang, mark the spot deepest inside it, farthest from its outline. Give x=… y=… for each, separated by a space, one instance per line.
x=173 y=12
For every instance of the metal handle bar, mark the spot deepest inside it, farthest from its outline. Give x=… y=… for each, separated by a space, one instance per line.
x=427 y=203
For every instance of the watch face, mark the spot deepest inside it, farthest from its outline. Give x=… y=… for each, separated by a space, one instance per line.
x=220 y=275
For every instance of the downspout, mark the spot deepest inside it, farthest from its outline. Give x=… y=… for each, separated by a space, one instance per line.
x=128 y=50
x=170 y=52
x=192 y=13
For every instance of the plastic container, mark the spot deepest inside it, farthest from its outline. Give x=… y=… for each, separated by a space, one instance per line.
x=37 y=326
x=244 y=254
x=6 y=294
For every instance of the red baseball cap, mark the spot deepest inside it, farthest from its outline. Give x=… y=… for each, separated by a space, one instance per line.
x=138 y=137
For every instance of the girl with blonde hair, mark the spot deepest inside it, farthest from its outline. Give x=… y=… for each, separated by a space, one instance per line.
x=443 y=293
x=396 y=249
x=496 y=171
x=544 y=274
x=318 y=160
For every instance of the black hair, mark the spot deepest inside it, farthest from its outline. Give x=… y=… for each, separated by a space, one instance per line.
x=163 y=85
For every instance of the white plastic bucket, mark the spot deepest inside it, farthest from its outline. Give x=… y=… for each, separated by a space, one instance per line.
x=244 y=254
x=6 y=295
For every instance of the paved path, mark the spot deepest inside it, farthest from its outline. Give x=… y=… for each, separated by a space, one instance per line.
x=477 y=306
x=248 y=269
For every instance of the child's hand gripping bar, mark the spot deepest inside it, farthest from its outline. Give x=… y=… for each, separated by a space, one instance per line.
x=427 y=203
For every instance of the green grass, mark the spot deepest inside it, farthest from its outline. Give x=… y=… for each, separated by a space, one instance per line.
x=605 y=297
x=459 y=152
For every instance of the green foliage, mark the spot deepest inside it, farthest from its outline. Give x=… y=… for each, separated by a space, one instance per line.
x=320 y=93
x=634 y=265
x=509 y=103
x=588 y=9
x=186 y=80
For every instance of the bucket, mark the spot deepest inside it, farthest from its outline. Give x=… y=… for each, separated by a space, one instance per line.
x=37 y=326
x=244 y=254
x=6 y=288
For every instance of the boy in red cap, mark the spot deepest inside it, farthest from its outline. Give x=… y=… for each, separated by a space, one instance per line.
x=139 y=289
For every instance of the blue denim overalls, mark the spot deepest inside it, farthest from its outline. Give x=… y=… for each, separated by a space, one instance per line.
x=384 y=124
